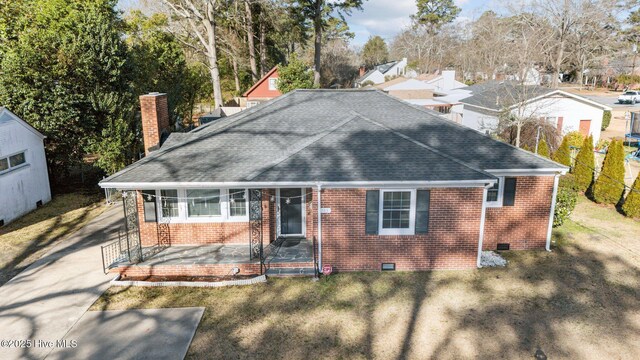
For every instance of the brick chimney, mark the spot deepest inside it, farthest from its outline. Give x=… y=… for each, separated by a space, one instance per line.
x=155 y=120
x=362 y=71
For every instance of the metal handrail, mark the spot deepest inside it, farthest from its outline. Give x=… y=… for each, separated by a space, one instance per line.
x=117 y=251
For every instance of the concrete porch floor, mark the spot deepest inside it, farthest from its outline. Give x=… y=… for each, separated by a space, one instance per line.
x=293 y=250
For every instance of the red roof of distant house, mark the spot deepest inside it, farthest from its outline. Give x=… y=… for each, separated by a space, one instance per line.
x=261 y=88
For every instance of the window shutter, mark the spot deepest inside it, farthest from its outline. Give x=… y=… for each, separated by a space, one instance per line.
x=560 y=121
x=149 y=204
x=509 y=196
x=373 y=208
x=422 y=211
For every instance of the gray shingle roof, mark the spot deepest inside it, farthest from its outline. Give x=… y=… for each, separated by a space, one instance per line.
x=329 y=136
x=498 y=95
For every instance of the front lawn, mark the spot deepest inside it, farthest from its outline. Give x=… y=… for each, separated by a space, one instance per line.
x=580 y=301
x=28 y=238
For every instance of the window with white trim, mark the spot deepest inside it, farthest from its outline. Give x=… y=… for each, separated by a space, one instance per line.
x=13 y=161
x=495 y=193
x=202 y=205
x=273 y=84
x=397 y=212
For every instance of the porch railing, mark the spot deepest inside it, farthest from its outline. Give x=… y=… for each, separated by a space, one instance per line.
x=267 y=251
x=115 y=251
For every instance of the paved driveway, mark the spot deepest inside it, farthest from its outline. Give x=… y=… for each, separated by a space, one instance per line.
x=42 y=303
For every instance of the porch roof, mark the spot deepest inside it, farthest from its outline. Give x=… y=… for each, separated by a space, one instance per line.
x=329 y=136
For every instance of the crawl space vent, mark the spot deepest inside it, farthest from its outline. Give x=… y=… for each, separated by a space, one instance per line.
x=388 y=266
x=503 y=246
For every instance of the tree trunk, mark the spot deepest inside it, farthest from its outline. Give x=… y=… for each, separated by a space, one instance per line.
x=263 y=48
x=250 y=42
x=580 y=76
x=317 y=43
x=212 y=57
x=236 y=78
x=558 y=64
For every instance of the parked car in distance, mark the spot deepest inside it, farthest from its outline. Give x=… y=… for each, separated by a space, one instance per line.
x=629 y=97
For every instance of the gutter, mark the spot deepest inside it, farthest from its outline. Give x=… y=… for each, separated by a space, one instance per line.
x=482 y=221
x=319 y=227
x=552 y=211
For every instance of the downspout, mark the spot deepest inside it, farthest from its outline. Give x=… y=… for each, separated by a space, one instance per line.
x=552 y=211
x=482 y=217
x=319 y=227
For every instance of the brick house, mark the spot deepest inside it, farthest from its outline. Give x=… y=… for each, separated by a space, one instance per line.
x=352 y=179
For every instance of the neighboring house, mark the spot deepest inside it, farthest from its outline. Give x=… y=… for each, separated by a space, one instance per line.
x=264 y=90
x=568 y=112
x=347 y=179
x=410 y=90
x=24 y=181
x=382 y=72
x=445 y=81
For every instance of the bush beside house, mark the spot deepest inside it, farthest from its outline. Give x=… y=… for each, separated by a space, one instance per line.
x=563 y=154
x=575 y=139
x=609 y=186
x=543 y=148
x=631 y=206
x=566 y=199
x=606 y=120
x=583 y=167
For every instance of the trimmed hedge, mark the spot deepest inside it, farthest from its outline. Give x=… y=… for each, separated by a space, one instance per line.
x=563 y=154
x=543 y=148
x=631 y=206
x=584 y=164
x=609 y=186
x=606 y=120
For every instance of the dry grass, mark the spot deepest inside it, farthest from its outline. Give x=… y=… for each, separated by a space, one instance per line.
x=25 y=240
x=580 y=301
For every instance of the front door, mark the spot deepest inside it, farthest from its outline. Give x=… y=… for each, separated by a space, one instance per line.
x=291 y=212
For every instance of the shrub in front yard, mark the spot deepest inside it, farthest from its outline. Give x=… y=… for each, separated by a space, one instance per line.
x=606 y=120
x=583 y=167
x=565 y=203
x=563 y=154
x=609 y=186
x=631 y=206
x=543 y=148
x=575 y=138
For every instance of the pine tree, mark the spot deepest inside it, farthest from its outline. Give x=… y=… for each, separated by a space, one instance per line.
x=584 y=164
x=543 y=148
x=609 y=185
x=563 y=154
x=631 y=205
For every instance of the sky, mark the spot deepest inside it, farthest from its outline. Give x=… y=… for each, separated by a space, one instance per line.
x=386 y=17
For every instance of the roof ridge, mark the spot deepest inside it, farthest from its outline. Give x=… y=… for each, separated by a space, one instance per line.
x=425 y=146
x=300 y=147
x=471 y=131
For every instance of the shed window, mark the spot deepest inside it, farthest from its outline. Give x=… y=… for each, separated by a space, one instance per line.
x=169 y=203
x=237 y=202
x=203 y=202
x=4 y=164
x=273 y=84
x=17 y=159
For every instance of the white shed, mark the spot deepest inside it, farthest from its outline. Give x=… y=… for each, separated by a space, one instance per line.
x=24 y=181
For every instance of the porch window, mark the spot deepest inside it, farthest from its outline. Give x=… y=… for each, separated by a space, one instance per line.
x=169 y=203
x=237 y=202
x=203 y=202
x=397 y=210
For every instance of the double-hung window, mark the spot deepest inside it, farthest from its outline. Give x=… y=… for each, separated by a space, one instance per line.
x=502 y=193
x=169 y=204
x=237 y=202
x=397 y=212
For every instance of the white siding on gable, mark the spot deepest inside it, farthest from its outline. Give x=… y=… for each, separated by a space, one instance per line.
x=21 y=188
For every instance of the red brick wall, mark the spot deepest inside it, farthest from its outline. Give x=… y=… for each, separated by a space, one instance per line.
x=154 y=112
x=452 y=241
x=525 y=224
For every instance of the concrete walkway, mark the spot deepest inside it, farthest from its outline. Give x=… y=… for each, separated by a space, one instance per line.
x=141 y=334
x=43 y=302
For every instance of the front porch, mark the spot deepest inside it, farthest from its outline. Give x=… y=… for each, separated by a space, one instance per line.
x=285 y=256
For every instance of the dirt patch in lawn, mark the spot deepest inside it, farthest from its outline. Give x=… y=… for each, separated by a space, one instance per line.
x=25 y=240
x=581 y=301
x=155 y=278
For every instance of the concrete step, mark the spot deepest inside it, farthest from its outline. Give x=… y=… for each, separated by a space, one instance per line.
x=282 y=271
